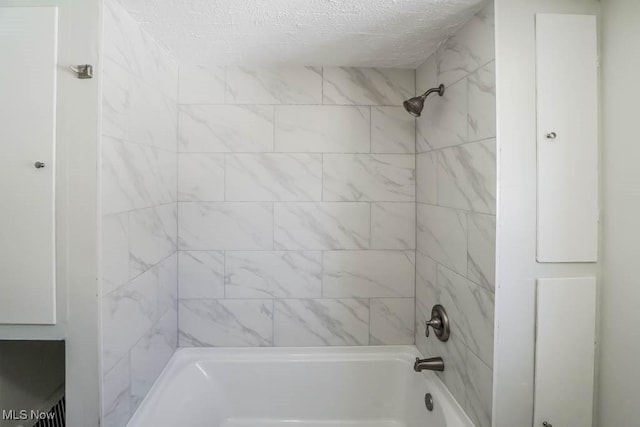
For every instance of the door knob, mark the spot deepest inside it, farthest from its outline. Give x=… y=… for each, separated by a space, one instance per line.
x=39 y=165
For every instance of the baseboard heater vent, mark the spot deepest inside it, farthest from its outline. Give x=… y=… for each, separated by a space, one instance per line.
x=55 y=417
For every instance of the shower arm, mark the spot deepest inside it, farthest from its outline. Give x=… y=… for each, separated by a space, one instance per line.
x=439 y=89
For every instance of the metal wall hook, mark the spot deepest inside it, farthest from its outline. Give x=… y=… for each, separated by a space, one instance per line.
x=84 y=71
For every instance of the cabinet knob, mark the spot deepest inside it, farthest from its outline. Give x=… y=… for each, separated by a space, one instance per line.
x=551 y=135
x=39 y=165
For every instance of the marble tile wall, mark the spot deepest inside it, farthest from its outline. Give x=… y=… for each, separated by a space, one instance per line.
x=296 y=207
x=456 y=208
x=139 y=260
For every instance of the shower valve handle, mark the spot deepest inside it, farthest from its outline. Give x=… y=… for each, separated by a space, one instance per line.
x=439 y=322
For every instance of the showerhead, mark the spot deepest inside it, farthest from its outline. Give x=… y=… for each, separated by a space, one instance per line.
x=415 y=105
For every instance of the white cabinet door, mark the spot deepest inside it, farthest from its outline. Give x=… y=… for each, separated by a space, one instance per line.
x=567 y=94
x=28 y=48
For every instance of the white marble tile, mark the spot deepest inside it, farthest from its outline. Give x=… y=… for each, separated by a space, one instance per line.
x=225 y=323
x=279 y=85
x=201 y=177
x=479 y=391
x=482 y=103
x=481 y=253
x=322 y=128
x=467 y=177
x=120 y=34
x=201 y=274
x=392 y=321
x=273 y=177
x=152 y=116
x=393 y=226
x=150 y=355
x=368 y=274
x=127 y=314
x=471 y=309
x=320 y=322
x=225 y=128
x=367 y=86
x=393 y=130
x=317 y=226
x=444 y=119
x=468 y=49
x=442 y=236
x=225 y=226
x=117 y=84
x=426 y=178
x=167 y=285
x=135 y=176
x=427 y=294
x=115 y=252
x=198 y=85
x=369 y=177
x=153 y=236
x=427 y=75
x=273 y=274
x=116 y=404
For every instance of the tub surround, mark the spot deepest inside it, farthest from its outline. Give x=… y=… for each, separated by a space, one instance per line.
x=296 y=206
x=139 y=213
x=456 y=207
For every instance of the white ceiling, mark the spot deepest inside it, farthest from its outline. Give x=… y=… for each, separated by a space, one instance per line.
x=367 y=33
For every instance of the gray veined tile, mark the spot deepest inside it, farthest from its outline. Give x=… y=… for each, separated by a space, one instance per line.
x=467 y=177
x=426 y=178
x=393 y=225
x=482 y=103
x=322 y=128
x=198 y=85
x=369 y=177
x=367 y=86
x=444 y=119
x=273 y=274
x=201 y=177
x=479 y=391
x=368 y=274
x=225 y=226
x=427 y=294
x=153 y=236
x=225 y=323
x=427 y=75
x=312 y=322
x=392 y=321
x=127 y=314
x=167 y=285
x=201 y=274
x=136 y=176
x=116 y=403
x=322 y=226
x=481 y=253
x=468 y=49
x=225 y=128
x=115 y=251
x=150 y=355
x=471 y=309
x=442 y=236
x=274 y=85
x=393 y=130
x=273 y=177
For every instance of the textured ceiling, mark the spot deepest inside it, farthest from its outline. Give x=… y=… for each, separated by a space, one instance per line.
x=376 y=33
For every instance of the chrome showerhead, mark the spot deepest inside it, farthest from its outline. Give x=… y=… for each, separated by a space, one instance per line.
x=415 y=105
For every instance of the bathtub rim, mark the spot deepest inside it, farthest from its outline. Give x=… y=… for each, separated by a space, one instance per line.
x=406 y=354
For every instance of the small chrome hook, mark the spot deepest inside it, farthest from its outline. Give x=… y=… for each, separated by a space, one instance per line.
x=84 y=71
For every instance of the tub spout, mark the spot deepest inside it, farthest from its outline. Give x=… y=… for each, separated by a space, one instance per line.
x=432 y=364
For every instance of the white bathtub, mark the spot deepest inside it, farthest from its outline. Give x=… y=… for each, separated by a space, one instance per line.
x=297 y=387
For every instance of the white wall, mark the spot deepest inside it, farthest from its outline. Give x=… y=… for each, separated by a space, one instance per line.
x=619 y=381
x=76 y=206
x=517 y=269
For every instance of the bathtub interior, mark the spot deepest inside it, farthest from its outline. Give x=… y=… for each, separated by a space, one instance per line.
x=304 y=387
